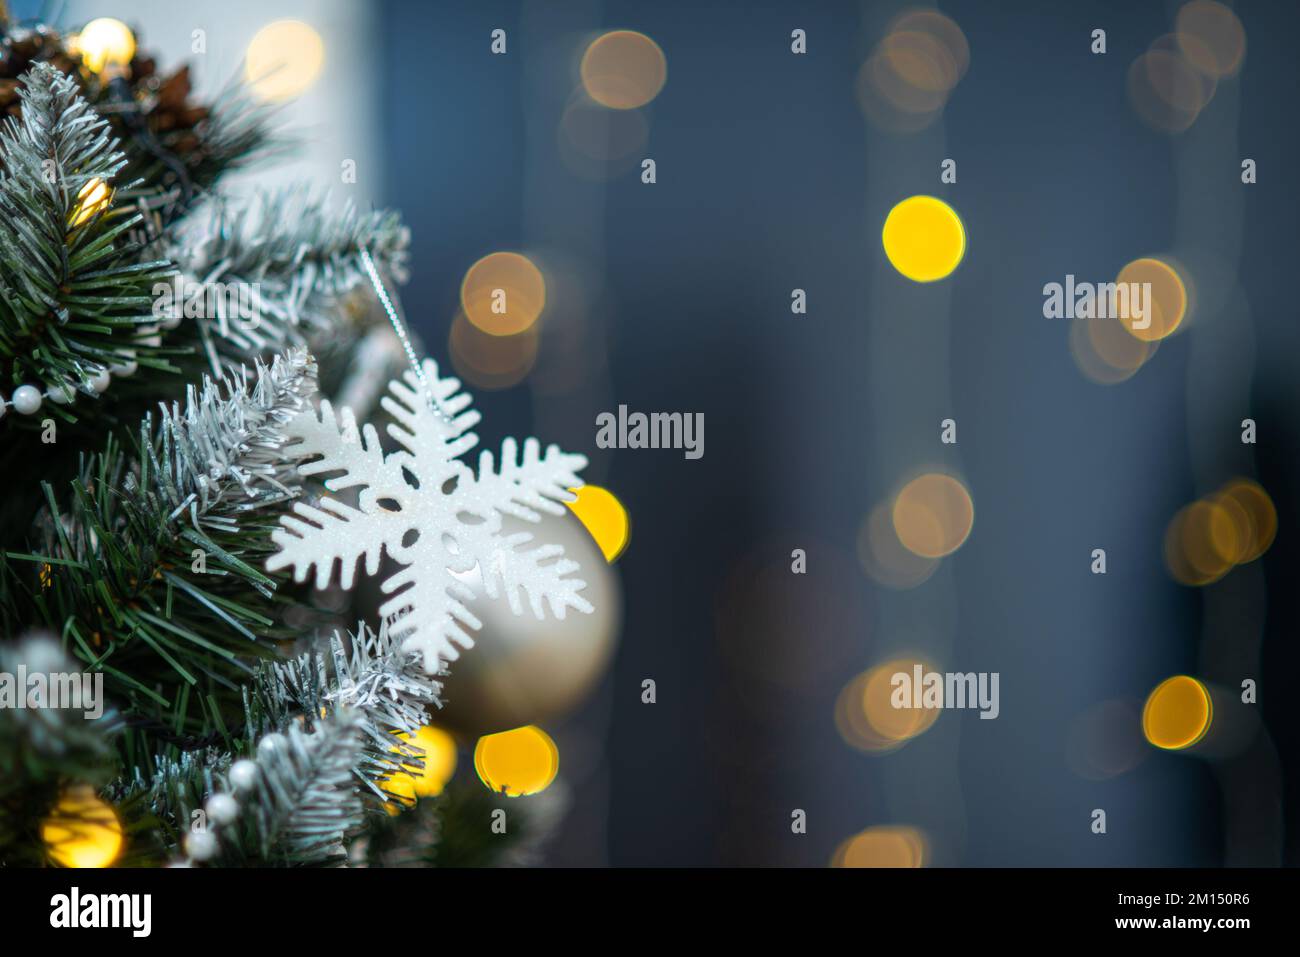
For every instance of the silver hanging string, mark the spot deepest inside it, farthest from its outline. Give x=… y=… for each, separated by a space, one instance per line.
x=399 y=327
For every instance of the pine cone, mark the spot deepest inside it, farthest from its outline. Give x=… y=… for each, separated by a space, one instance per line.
x=173 y=117
x=164 y=101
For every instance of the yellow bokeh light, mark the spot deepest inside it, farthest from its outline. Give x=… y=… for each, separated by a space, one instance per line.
x=400 y=789
x=623 y=70
x=1184 y=88
x=891 y=723
x=1201 y=543
x=604 y=517
x=1230 y=534
x=1177 y=713
x=519 y=762
x=1112 y=342
x=888 y=846
x=1106 y=352
x=1174 y=79
x=503 y=293
x=439 y=760
x=865 y=714
x=82 y=831
x=1260 y=517
x=94 y=196
x=905 y=83
x=924 y=238
x=283 y=60
x=920 y=61
x=1165 y=90
x=105 y=42
x=1233 y=526
x=933 y=515
x=944 y=30
x=1168 y=298
x=1211 y=37
x=890 y=102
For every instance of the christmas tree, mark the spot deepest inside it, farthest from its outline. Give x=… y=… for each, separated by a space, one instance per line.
x=172 y=688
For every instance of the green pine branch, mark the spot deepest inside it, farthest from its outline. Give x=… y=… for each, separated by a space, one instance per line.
x=149 y=564
x=43 y=748
x=300 y=802
x=74 y=299
x=362 y=678
x=294 y=259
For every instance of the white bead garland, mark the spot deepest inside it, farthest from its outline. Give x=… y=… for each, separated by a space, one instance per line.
x=243 y=775
x=222 y=808
x=27 y=399
x=200 y=845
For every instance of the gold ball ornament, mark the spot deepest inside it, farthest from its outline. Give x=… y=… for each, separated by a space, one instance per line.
x=522 y=670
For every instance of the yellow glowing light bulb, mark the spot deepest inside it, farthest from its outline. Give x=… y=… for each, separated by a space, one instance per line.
x=439 y=762
x=400 y=789
x=604 y=517
x=91 y=198
x=106 y=42
x=518 y=762
x=1177 y=713
x=82 y=830
x=924 y=238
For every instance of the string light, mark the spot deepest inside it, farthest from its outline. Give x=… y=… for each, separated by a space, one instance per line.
x=91 y=198
x=82 y=831
x=106 y=43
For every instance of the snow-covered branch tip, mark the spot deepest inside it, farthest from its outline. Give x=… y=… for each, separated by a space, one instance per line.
x=295 y=257
x=57 y=146
x=294 y=803
x=366 y=673
x=74 y=295
x=224 y=451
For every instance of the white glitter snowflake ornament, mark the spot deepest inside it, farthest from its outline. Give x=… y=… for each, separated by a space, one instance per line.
x=431 y=513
